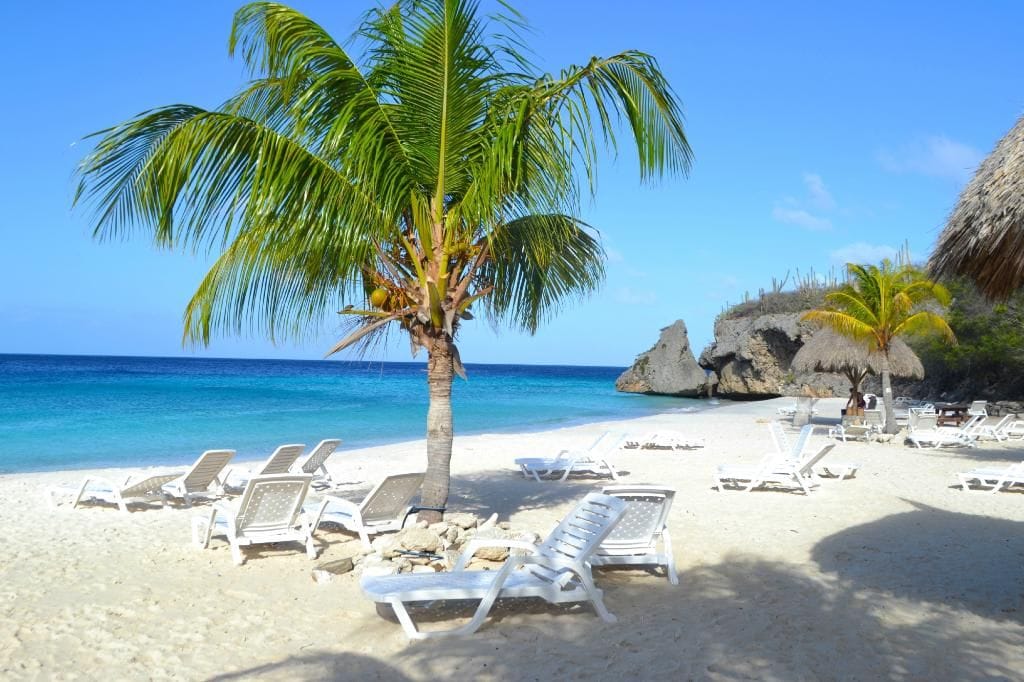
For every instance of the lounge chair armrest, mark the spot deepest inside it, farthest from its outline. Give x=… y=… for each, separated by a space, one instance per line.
x=473 y=545
x=347 y=505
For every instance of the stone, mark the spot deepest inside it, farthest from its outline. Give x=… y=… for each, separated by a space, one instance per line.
x=667 y=368
x=325 y=572
x=463 y=520
x=418 y=540
x=374 y=565
x=492 y=553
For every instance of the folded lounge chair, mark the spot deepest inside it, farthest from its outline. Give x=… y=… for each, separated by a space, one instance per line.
x=383 y=510
x=269 y=511
x=593 y=460
x=557 y=570
x=279 y=462
x=997 y=479
x=634 y=539
x=149 y=489
x=663 y=440
x=924 y=430
x=203 y=479
x=314 y=464
x=773 y=469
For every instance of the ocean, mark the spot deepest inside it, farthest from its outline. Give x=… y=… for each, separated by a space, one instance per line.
x=75 y=412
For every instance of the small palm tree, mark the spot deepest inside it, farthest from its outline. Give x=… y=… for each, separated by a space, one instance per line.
x=437 y=173
x=879 y=304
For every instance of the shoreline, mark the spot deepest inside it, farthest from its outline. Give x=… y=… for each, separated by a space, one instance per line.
x=894 y=574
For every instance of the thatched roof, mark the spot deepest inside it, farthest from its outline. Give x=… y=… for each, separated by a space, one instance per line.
x=827 y=351
x=984 y=237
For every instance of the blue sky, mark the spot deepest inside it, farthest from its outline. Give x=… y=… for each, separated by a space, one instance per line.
x=823 y=132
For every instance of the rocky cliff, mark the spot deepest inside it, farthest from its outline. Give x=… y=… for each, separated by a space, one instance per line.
x=752 y=355
x=668 y=368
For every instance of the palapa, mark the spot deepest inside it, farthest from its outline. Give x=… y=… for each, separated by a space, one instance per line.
x=828 y=351
x=984 y=236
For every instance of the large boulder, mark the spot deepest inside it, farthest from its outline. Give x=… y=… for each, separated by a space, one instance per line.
x=668 y=368
x=752 y=356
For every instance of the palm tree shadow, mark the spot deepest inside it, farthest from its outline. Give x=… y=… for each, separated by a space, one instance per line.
x=932 y=555
x=740 y=619
x=318 y=665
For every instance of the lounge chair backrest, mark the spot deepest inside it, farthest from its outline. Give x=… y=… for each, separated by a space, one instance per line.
x=391 y=497
x=972 y=424
x=206 y=469
x=282 y=459
x=874 y=418
x=801 y=441
x=606 y=442
x=148 y=486
x=807 y=465
x=271 y=502
x=779 y=438
x=923 y=421
x=647 y=509
x=580 y=533
x=1003 y=423
x=978 y=407
x=319 y=455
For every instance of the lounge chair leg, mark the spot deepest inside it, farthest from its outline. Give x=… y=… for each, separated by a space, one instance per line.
x=236 y=553
x=670 y=560
x=596 y=600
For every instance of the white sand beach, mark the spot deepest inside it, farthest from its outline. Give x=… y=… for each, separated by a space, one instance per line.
x=895 y=574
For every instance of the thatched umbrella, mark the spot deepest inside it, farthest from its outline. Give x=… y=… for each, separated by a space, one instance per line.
x=984 y=237
x=827 y=351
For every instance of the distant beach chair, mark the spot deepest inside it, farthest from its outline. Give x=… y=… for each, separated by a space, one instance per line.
x=663 y=440
x=997 y=431
x=558 y=571
x=996 y=479
x=773 y=469
x=794 y=451
x=279 y=462
x=314 y=464
x=978 y=408
x=269 y=511
x=203 y=480
x=98 y=488
x=383 y=510
x=924 y=430
x=594 y=460
x=634 y=539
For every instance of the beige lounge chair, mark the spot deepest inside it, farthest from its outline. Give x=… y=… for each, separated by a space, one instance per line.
x=203 y=480
x=98 y=488
x=383 y=510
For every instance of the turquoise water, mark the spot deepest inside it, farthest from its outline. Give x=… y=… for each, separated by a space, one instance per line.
x=68 y=412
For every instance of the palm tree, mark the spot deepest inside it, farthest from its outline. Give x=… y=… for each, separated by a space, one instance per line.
x=438 y=172
x=879 y=304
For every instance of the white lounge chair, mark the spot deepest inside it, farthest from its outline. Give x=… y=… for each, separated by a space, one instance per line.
x=663 y=440
x=871 y=423
x=773 y=469
x=996 y=479
x=269 y=511
x=924 y=430
x=978 y=408
x=593 y=460
x=279 y=462
x=314 y=464
x=203 y=480
x=383 y=510
x=557 y=570
x=634 y=539
x=98 y=488
x=791 y=451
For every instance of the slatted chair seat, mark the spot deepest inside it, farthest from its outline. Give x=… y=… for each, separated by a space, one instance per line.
x=315 y=463
x=634 y=539
x=383 y=510
x=203 y=480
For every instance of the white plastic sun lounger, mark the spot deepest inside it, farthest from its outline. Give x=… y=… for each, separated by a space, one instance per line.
x=558 y=571
x=996 y=431
x=663 y=440
x=279 y=462
x=634 y=539
x=593 y=460
x=383 y=510
x=773 y=469
x=203 y=479
x=269 y=511
x=997 y=479
x=97 y=488
x=924 y=429
x=314 y=464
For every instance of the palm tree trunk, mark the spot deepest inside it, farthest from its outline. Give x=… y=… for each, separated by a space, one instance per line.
x=434 y=493
x=890 y=408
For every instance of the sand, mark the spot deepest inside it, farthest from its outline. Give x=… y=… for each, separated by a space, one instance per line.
x=896 y=574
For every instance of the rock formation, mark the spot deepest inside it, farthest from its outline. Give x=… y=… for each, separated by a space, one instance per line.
x=668 y=368
x=752 y=355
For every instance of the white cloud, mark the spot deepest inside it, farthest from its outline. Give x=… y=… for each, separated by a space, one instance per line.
x=820 y=197
x=628 y=296
x=801 y=218
x=936 y=156
x=862 y=253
